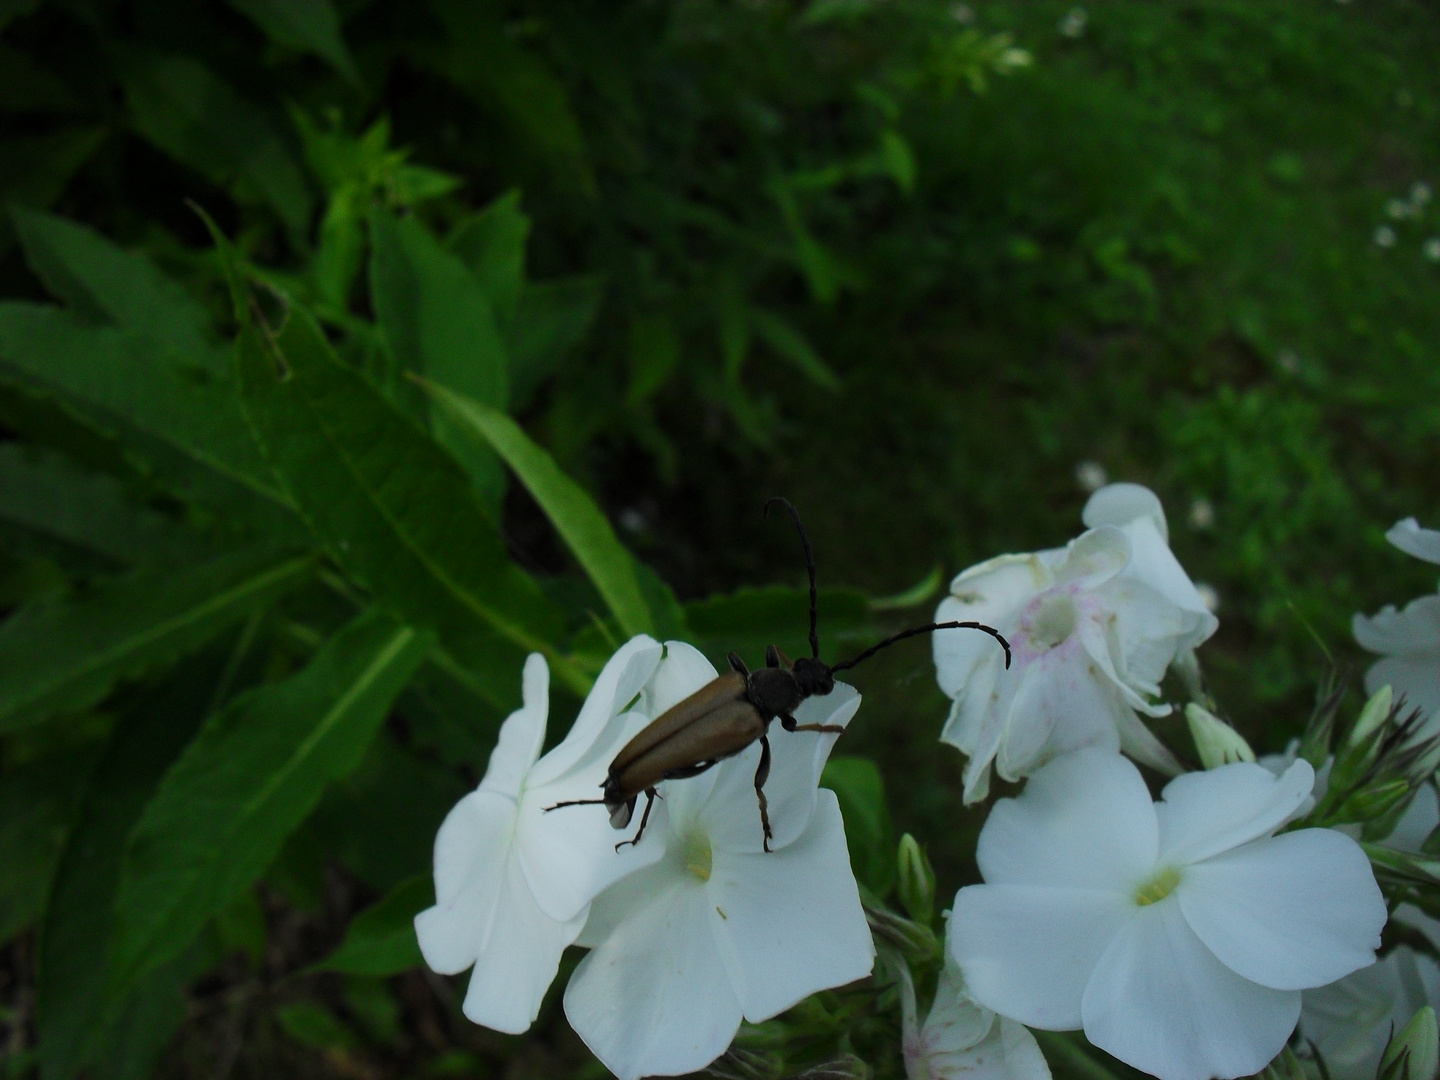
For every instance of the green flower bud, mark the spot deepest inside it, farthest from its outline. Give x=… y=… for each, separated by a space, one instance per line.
x=916 y=883
x=1414 y=1052
x=1372 y=716
x=1216 y=742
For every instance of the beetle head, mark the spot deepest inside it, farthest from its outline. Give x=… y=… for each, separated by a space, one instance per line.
x=813 y=677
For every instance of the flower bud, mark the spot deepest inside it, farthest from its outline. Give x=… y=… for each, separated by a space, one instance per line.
x=1372 y=716
x=1414 y=1052
x=916 y=883
x=1216 y=741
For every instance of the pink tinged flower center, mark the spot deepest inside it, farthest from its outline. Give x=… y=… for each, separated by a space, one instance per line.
x=695 y=854
x=1161 y=885
x=1052 y=621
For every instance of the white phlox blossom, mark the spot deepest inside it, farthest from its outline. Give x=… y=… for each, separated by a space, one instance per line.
x=718 y=929
x=1409 y=639
x=513 y=884
x=1350 y=1021
x=961 y=1040
x=1178 y=934
x=1093 y=627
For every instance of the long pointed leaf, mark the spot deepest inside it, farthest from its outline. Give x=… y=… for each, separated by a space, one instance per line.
x=251 y=776
x=573 y=513
x=66 y=654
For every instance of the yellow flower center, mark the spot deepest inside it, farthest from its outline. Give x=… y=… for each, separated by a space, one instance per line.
x=1158 y=887
x=696 y=854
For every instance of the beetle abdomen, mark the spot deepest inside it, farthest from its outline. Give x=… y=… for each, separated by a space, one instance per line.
x=722 y=732
x=727 y=688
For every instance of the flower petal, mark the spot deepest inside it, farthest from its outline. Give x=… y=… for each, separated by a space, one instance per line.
x=1008 y=1052
x=655 y=997
x=731 y=812
x=1418 y=679
x=1410 y=538
x=1413 y=632
x=791 y=919
x=1289 y=912
x=1204 y=813
x=519 y=960
x=1417 y=823
x=993 y=591
x=470 y=854
x=1122 y=504
x=523 y=733
x=620 y=680
x=1160 y=1001
x=683 y=671
x=1060 y=705
x=1093 y=558
x=1085 y=821
x=1028 y=952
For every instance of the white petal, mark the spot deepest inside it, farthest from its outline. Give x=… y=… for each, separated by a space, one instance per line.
x=1008 y=1052
x=1204 y=813
x=1418 y=822
x=1153 y=563
x=1350 y=1021
x=1093 y=558
x=470 y=853
x=1160 y=1001
x=1105 y=646
x=519 y=960
x=1139 y=744
x=1150 y=629
x=1028 y=952
x=1289 y=912
x=993 y=591
x=954 y=1021
x=1059 y=706
x=731 y=812
x=792 y=918
x=1413 y=632
x=1085 y=821
x=523 y=733
x=620 y=680
x=1418 y=679
x=683 y=671
x=1121 y=504
x=1410 y=538
x=655 y=998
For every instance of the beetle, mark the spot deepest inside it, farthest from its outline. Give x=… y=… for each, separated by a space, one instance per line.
x=727 y=714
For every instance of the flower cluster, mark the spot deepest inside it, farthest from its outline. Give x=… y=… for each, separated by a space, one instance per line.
x=1409 y=640
x=692 y=928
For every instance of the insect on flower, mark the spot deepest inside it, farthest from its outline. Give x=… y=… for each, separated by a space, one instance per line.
x=726 y=715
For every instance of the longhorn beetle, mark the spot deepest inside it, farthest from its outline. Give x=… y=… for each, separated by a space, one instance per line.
x=732 y=711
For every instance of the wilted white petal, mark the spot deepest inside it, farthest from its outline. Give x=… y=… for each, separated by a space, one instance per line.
x=639 y=1023
x=1085 y=821
x=1058 y=706
x=1410 y=538
x=521 y=957
x=791 y=920
x=1413 y=632
x=1093 y=558
x=469 y=867
x=1028 y=952
x=732 y=814
x=990 y=592
x=523 y=733
x=1160 y=1001
x=1204 y=813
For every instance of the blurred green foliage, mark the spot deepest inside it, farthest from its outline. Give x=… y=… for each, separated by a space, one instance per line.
x=334 y=334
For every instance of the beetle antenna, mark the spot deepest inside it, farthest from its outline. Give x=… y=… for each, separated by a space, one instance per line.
x=809 y=566
x=929 y=629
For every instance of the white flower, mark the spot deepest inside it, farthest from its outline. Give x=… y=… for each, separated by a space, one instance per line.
x=719 y=929
x=1178 y=934
x=1350 y=1021
x=1384 y=236
x=961 y=1040
x=1409 y=639
x=1093 y=627
x=513 y=884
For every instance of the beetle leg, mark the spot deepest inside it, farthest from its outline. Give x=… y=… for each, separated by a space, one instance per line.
x=644 y=820
x=574 y=802
x=789 y=723
x=761 y=775
x=739 y=665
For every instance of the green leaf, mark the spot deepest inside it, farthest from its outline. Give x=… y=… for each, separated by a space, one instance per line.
x=573 y=513
x=789 y=344
x=198 y=119
x=73 y=1012
x=551 y=318
x=120 y=373
x=252 y=775
x=102 y=282
x=381 y=939
x=25 y=86
x=860 y=790
x=486 y=63
x=43 y=491
x=749 y=619
x=38 y=803
x=492 y=244
x=66 y=653
x=304 y=25
x=34 y=169
x=390 y=504
x=437 y=322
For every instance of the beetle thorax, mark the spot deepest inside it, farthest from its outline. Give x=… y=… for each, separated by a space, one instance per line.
x=774 y=691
